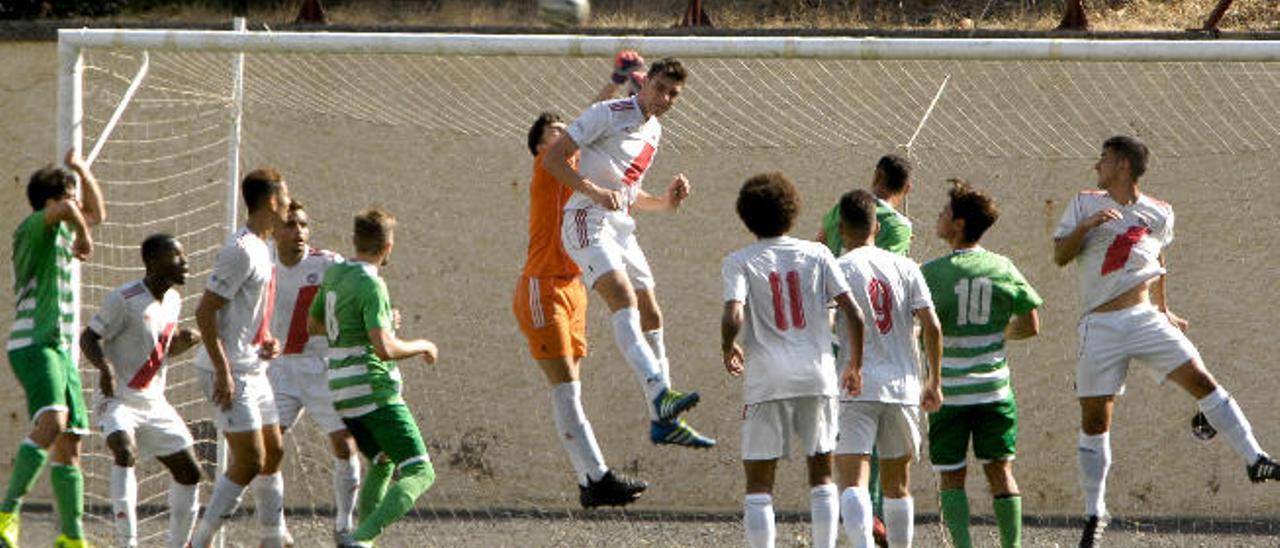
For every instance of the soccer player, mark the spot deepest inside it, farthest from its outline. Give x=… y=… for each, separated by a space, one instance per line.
x=44 y=245
x=1116 y=235
x=550 y=304
x=891 y=183
x=982 y=300
x=617 y=140
x=298 y=376
x=234 y=317
x=784 y=285
x=882 y=392
x=129 y=340
x=353 y=308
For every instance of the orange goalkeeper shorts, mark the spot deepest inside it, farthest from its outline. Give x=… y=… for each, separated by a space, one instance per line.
x=553 y=316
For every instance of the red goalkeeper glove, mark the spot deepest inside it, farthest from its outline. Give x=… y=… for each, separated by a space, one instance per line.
x=624 y=63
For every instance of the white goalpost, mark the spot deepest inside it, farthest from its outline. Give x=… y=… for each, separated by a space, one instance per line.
x=432 y=126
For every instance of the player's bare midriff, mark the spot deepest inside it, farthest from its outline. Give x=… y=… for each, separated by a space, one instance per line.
x=1134 y=296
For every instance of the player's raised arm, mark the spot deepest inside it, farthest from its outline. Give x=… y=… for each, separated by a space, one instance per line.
x=628 y=73
x=91 y=203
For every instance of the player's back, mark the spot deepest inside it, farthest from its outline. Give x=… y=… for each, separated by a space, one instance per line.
x=42 y=284
x=355 y=300
x=546 y=256
x=785 y=285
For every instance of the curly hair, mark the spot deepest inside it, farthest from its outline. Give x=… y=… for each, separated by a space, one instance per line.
x=768 y=204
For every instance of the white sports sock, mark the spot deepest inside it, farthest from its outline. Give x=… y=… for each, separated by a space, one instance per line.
x=1095 y=461
x=855 y=508
x=346 y=486
x=124 y=505
x=660 y=352
x=757 y=519
x=899 y=521
x=268 y=502
x=626 y=331
x=183 y=504
x=1225 y=415
x=222 y=503
x=824 y=513
x=575 y=432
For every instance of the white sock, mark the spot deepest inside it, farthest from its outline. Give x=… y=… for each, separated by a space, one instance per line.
x=626 y=331
x=575 y=432
x=346 y=486
x=660 y=353
x=222 y=504
x=757 y=519
x=1095 y=461
x=183 y=504
x=1225 y=415
x=124 y=505
x=899 y=520
x=855 y=508
x=824 y=512
x=268 y=501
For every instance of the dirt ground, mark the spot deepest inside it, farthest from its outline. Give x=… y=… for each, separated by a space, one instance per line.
x=457 y=184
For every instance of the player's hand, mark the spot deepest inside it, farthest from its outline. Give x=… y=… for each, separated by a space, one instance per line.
x=223 y=390
x=430 y=352
x=82 y=247
x=611 y=200
x=107 y=383
x=1177 y=321
x=270 y=349
x=851 y=381
x=624 y=63
x=73 y=161
x=733 y=360
x=1102 y=217
x=931 y=397
x=678 y=190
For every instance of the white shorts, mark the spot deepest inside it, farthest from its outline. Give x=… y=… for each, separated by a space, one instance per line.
x=252 y=404
x=1108 y=340
x=601 y=242
x=892 y=428
x=299 y=386
x=155 y=426
x=767 y=427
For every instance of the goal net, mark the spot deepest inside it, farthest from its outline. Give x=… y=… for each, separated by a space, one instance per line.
x=433 y=127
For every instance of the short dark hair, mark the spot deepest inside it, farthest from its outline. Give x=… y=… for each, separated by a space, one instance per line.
x=156 y=244
x=669 y=67
x=259 y=186
x=1132 y=150
x=373 y=228
x=975 y=207
x=296 y=205
x=768 y=204
x=858 y=211
x=539 y=128
x=49 y=183
x=896 y=171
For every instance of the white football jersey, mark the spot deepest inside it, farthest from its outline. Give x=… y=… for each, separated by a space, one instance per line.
x=617 y=145
x=785 y=285
x=1119 y=254
x=136 y=331
x=296 y=287
x=889 y=288
x=243 y=274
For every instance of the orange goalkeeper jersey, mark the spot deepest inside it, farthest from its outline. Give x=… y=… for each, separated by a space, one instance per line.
x=547 y=257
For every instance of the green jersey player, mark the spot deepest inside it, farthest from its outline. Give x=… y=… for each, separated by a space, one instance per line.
x=890 y=185
x=982 y=301
x=354 y=310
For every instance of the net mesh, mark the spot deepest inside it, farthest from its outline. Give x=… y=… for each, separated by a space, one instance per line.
x=439 y=140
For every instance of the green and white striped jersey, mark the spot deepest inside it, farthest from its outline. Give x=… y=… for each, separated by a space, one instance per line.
x=352 y=300
x=975 y=292
x=42 y=285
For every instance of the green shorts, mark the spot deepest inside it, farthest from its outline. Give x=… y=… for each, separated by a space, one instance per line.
x=993 y=427
x=391 y=430
x=51 y=383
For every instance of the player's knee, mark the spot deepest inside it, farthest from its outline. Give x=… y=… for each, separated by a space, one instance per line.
x=421 y=473
x=1000 y=478
x=123 y=456
x=187 y=473
x=952 y=479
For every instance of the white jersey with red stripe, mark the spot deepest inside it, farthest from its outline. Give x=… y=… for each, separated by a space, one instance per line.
x=617 y=145
x=1121 y=253
x=296 y=287
x=136 y=330
x=244 y=275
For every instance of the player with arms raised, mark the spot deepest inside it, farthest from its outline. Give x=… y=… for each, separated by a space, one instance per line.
x=130 y=341
x=982 y=300
x=1116 y=235
x=779 y=288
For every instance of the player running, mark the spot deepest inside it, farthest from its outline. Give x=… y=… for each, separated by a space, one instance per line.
x=354 y=310
x=617 y=140
x=982 y=300
x=1116 y=235
x=44 y=246
x=882 y=393
x=298 y=376
x=130 y=340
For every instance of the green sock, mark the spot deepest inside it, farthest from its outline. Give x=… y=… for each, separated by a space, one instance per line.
x=414 y=480
x=374 y=487
x=955 y=513
x=26 y=468
x=1009 y=519
x=68 y=498
x=873 y=486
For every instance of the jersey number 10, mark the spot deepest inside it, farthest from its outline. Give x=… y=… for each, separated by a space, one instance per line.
x=973 y=300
